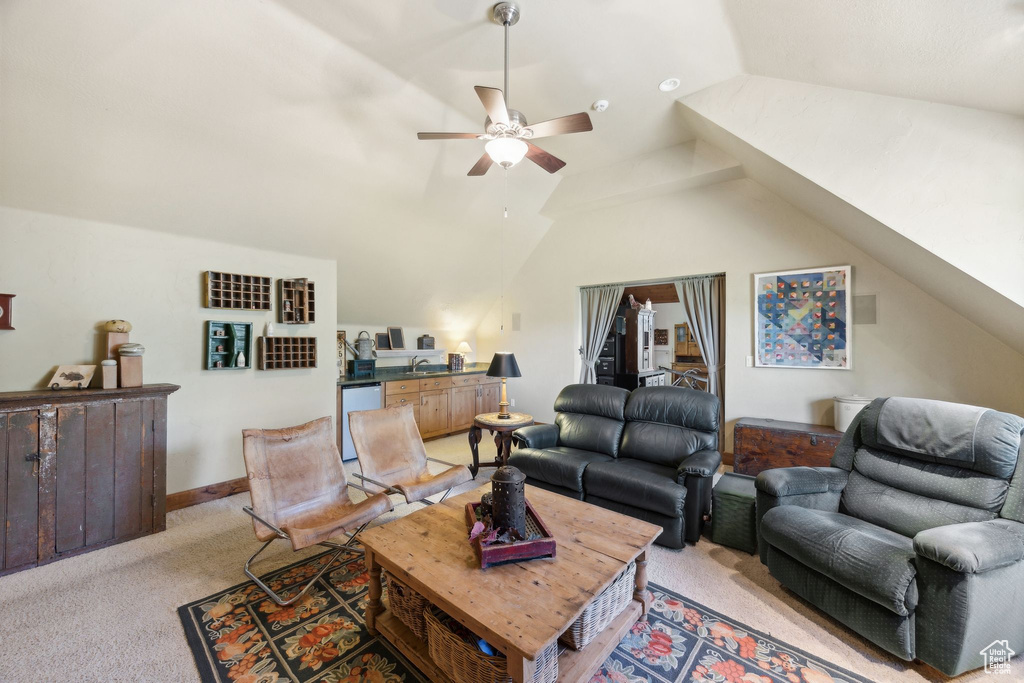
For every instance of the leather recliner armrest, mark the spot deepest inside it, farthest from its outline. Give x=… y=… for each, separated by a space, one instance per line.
x=536 y=436
x=973 y=547
x=801 y=481
x=702 y=464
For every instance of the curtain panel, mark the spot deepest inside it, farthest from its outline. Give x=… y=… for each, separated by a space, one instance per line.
x=703 y=300
x=598 y=305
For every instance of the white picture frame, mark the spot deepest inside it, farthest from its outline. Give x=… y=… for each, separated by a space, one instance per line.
x=811 y=326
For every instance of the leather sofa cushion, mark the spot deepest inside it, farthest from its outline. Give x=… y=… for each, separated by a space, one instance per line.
x=589 y=433
x=638 y=483
x=679 y=406
x=876 y=563
x=593 y=399
x=558 y=466
x=663 y=444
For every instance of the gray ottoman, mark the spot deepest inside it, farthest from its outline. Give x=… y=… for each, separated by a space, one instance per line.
x=733 y=521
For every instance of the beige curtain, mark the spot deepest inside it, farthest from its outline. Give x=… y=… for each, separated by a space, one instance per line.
x=598 y=305
x=703 y=299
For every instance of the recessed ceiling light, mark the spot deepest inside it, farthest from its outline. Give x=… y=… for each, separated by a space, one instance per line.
x=668 y=84
x=599 y=105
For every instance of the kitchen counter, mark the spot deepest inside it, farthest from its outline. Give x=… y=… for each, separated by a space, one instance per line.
x=401 y=374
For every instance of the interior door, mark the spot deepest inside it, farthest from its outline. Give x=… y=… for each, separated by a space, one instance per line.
x=463 y=407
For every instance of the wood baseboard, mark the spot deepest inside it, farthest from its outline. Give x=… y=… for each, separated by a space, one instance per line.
x=727 y=459
x=203 y=494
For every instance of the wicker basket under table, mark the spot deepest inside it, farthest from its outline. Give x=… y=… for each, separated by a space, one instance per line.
x=407 y=605
x=465 y=663
x=598 y=614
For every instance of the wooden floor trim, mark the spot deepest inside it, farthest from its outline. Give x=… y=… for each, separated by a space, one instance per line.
x=204 y=494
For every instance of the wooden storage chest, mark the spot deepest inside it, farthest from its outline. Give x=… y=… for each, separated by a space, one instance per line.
x=763 y=444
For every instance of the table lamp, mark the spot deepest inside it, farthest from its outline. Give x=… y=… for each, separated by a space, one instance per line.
x=463 y=349
x=503 y=365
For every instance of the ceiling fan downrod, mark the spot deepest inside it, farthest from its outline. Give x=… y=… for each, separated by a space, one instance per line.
x=507 y=15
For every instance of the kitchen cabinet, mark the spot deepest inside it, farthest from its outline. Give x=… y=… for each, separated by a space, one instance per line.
x=464 y=401
x=80 y=470
x=434 y=413
x=489 y=396
x=447 y=404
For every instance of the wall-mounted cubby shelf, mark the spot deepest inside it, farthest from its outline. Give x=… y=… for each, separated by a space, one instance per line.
x=239 y=292
x=296 y=301
x=286 y=353
x=224 y=341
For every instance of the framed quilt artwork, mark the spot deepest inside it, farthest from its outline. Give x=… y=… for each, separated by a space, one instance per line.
x=802 y=319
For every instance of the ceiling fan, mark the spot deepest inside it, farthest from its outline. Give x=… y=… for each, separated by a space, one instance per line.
x=507 y=133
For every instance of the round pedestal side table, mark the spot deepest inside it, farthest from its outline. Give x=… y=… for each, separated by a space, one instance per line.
x=502 y=430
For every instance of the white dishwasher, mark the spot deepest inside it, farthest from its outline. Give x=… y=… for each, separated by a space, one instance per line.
x=354 y=399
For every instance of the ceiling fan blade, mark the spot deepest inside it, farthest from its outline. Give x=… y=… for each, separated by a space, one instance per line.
x=546 y=161
x=447 y=136
x=573 y=123
x=494 y=102
x=481 y=166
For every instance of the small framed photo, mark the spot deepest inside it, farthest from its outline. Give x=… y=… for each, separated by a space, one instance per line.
x=396 y=337
x=382 y=342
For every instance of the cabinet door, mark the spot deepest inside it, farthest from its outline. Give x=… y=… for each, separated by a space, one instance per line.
x=487 y=401
x=463 y=407
x=21 y=526
x=433 y=413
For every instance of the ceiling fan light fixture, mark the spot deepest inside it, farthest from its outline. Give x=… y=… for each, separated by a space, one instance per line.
x=506 y=151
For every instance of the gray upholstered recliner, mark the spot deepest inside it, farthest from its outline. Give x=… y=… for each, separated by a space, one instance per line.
x=914 y=537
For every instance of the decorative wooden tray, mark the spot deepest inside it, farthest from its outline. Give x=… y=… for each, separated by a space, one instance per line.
x=491 y=555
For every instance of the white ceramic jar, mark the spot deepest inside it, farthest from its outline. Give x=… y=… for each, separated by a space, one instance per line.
x=846 y=408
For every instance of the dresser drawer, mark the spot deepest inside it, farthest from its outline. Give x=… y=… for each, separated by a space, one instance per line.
x=403 y=400
x=605 y=366
x=399 y=387
x=433 y=383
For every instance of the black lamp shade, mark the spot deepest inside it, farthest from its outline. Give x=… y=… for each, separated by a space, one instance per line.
x=503 y=365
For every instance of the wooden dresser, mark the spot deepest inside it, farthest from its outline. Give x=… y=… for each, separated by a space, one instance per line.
x=80 y=469
x=763 y=444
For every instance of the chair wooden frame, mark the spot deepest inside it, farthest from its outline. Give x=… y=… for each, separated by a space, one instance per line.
x=393 y=434
x=299 y=493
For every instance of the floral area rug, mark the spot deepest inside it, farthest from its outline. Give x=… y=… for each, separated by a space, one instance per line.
x=240 y=635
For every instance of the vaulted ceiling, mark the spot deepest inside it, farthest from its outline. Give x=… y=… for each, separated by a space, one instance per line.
x=290 y=124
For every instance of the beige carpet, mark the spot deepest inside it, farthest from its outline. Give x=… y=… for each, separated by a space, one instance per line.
x=110 y=615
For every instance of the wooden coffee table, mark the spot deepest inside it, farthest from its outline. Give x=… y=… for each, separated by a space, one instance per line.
x=518 y=608
x=502 y=430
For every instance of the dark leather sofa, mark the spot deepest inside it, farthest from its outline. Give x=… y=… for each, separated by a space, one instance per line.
x=914 y=537
x=650 y=453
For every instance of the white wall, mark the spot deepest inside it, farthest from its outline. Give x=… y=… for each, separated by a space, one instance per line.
x=444 y=340
x=69 y=275
x=918 y=348
x=947 y=178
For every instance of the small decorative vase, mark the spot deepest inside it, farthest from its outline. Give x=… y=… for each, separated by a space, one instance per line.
x=268 y=329
x=240 y=360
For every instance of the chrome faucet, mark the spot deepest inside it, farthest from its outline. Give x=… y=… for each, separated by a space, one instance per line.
x=416 y=363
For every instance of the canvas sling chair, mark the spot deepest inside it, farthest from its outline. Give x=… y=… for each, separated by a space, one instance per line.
x=392 y=457
x=299 y=493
